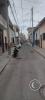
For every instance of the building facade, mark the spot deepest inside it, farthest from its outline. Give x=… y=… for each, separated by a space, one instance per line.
x=40 y=34
x=3 y=24
x=11 y=35
x=3 y=32
x=17 y=38
x=31 y=35
x=4 y=8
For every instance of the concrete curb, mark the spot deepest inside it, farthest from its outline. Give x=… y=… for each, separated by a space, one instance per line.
x=5 y=65
x=39 y=53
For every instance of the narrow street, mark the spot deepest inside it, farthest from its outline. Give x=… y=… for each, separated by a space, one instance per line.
x=15 y=79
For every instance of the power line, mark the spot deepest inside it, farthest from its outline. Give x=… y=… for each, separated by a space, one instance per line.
x=22 y=11
x=15 y=10
x=13 y=14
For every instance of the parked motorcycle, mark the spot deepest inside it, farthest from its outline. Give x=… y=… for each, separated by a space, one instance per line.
x=15 y=52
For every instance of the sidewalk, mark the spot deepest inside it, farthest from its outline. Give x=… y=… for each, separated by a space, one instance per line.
x=39 y=50
x=4 y=60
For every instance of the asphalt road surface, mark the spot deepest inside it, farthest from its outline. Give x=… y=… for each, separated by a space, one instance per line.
x=15 y=79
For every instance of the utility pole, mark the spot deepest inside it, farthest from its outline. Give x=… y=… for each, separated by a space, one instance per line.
x=32 y=26
x=22 y=14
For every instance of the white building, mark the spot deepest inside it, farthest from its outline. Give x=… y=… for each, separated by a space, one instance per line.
x=40 y=34
x=3 y=33
x=30 y=35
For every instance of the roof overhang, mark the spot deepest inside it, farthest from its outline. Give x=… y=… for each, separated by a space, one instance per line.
x=3 y=23
x=39 y=25
x=4 y=2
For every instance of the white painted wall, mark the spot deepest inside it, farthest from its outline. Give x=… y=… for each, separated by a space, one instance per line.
x=38 y=34
x=5 y=35
x=39 y=31
x=11 y=34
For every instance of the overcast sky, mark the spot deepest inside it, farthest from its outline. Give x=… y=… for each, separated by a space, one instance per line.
x=25 y=21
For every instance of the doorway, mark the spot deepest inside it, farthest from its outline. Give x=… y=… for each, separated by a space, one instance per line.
x=41 y=41
x=1 y=40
